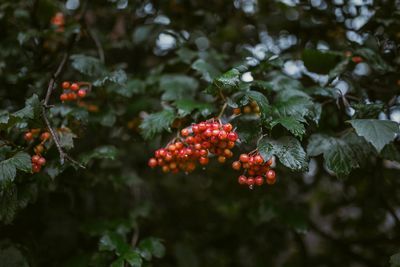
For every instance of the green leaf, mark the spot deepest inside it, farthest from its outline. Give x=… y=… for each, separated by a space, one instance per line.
x=66 y=138
x=366 y=111
x=377 y=132
x=280 y=82
x=8 y=167
x=102 y=152
x=177 y=87
x=288 y=150
x=341 y=155
x=298 y=107
x=291 y=124
x=227 y=81
x=32 y=107
x=113 y=242
x=156 y=123
x=320 y=61
x=133 y=258
x=118 y=77
x=87 y=65
x=261 y=100
x=395 y=260
x=187 y=106
x=132 y=87
x=374 y=60
x=120 y=262
x=391 y=152
x=208 y=71
x=151 y=247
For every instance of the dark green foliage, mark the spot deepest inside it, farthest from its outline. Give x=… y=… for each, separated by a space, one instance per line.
x=324 y=78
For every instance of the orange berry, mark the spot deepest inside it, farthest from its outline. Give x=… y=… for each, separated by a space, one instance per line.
x=74 y=87
x=66 y=85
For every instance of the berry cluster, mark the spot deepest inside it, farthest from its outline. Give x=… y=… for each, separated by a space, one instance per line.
x=197 y=143
x=255 y=168
x=58 y=21
x=37 y=162
x=252 y=107
x=72 y=92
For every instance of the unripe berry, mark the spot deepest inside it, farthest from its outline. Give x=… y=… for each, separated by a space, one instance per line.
x=66 y=85
x=242 y=179
x=246 y=109
x=74 y=87
x=237 y=111
x=165 y=168
x=236 y=165
x=28 y=136
x=38 y=149
x=82 y=93
x=244 y=158
x=152 y=163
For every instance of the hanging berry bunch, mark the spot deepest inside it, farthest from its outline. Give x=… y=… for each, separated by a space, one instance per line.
x=73 y=91
x=37 y=159
x=255 y=170
x=195 y=145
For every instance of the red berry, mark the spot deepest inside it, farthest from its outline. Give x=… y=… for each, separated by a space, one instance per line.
x=66 y=85
x=222 y=135
x=74 y=87
x=232 y=136
x=236 y=165
x=244 y=158
x=195 y=128
x=250 y=181
x=35 y=158
x=64 y=97
x=237 y=111
x=185 y=132
x=258 y=159
x=202 y=126
x=72 y=96
x=227 y=127
x=36 y=168
x=203 y=160
x=269 y=162
x=357 y=59
x=270 y=175
x=152 y=163
x=271 y=181
x=41 y=161
x=45 y=136
x=259 y=180
x=82 y=93
x=242 y=179
x=28 y=136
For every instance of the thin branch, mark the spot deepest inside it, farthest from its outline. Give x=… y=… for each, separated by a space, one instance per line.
x=97 y=42
x=222 y=110
x=50 y=88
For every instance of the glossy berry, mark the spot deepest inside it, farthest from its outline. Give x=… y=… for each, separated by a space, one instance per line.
x=82 y=93
x=271 y=181
x=258 y=159
x=45 y=136
x=66 y=85
x=242 y=179
x=152 y=163
x=244 y=158
x=185 y=132
x=72 y=96
x=250 y=181
x=236 y=165
x=259 y=180
x=232 y=136
x=270 y=174
x=74 y=87
x=41 y=161
x=35 y=158
x=227 y=127
x=64 y=97
x=28 y=136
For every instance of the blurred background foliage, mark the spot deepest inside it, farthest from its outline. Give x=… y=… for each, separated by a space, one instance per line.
x=325 y=75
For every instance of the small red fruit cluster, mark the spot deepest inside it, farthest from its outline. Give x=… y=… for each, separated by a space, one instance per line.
x=72 y=92
x=197 y=142
x=34 y=133
x=37 y=162
x=256 y=170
